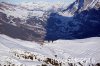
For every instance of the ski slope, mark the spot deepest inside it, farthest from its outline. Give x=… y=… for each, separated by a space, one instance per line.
x=19 y=52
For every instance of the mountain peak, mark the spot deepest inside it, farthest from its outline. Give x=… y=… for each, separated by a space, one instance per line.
x=80 y=5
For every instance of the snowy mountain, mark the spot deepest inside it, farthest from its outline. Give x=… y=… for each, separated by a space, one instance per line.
x=82 y=52
x=22 y=10
x=28 y=31
x=75 y=22
x=43 y=6
x=81 y=5
x=22 y=22
x=39 y=22
x=26 y=20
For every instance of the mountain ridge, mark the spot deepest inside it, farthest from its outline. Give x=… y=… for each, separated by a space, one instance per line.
x=55 y=24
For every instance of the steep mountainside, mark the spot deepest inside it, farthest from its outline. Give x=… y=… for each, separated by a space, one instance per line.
x=40 y=23
x=26 y=20
x=80 y=5
x=20 y=22
x=84 y=23
x=33 y=21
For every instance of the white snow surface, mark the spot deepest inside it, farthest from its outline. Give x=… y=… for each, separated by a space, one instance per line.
x=23 y=10
x=76 y=50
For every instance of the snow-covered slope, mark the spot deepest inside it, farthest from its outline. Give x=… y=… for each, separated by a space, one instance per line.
x=42 y=21
x=43 y=6
x=59 y=53
x=30 y=16
x=36 y=21
x=12 y=10
x=37 y=9
x=81 y=5
x=17 y=15
x=19 y=11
